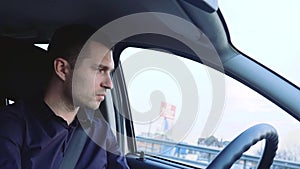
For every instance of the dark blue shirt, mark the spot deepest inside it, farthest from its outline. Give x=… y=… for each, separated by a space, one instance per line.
x=33 y=137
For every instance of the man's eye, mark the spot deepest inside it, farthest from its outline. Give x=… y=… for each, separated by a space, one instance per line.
x=100 y=70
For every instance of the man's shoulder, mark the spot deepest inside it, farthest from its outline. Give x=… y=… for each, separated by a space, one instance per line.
x=12 y=122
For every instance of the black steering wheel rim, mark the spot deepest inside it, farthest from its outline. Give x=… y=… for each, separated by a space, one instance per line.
x=234 y=150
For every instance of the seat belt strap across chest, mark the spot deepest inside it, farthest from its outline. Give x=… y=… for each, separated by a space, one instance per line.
x=74 y=149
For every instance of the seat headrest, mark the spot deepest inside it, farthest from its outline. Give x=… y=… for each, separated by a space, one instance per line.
x=24 y=68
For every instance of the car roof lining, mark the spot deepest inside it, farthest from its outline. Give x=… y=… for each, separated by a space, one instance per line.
x=38 y=20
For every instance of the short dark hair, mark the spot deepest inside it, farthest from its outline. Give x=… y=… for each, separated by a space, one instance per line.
x=67 y=41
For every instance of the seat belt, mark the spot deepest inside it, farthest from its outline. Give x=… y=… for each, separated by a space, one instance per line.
x=74 y=149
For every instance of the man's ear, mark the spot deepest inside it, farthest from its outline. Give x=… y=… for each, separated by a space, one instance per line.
x=61 y=68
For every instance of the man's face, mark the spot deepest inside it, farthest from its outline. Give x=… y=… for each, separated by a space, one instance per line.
x=91 y=77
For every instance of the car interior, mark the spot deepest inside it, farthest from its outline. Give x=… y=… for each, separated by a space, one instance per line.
x=184 y=30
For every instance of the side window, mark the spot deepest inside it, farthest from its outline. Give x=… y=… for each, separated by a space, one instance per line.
x=180 y=113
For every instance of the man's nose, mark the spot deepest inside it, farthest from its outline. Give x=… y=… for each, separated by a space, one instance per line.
x=107 y=83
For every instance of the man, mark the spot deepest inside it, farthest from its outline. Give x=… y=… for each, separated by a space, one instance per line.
x=35 y=134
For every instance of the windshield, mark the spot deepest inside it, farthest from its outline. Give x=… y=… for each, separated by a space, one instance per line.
x=266 y=31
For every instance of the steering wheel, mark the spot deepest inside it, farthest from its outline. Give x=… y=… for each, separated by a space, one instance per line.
x=234 y=150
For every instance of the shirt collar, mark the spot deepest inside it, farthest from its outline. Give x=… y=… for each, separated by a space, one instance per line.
x=41 y=109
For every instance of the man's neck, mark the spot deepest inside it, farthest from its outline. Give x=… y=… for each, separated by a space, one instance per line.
x=61 y=107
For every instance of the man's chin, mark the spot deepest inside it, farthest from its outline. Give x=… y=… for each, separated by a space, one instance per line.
x=92 y=105
x=95 y=106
